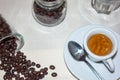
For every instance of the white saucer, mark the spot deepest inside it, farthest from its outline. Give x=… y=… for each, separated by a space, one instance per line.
x=79 y=69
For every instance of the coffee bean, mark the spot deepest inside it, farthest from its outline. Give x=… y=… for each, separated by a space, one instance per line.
x=46 y=69
x=38 y=65
x=33 y=64
x=54 y=74
x=52 y=67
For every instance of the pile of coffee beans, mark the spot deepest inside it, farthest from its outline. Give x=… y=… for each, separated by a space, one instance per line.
x=4 y=28
x=15 y=64
x=48 y=16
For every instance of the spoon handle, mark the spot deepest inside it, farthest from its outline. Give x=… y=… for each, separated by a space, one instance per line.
x=94 y=71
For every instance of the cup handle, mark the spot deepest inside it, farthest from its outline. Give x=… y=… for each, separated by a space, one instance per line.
x=109 y=64
x=19 y=37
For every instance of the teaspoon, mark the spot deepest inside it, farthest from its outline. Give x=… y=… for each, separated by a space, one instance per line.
x=78 y=54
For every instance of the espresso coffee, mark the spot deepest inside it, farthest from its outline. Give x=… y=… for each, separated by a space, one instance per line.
x=100 y=44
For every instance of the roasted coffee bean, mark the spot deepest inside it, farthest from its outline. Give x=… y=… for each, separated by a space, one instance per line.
x=46 y=69
x=33 y=64
x=54 y=74
x=38 y=65
x=52 y=67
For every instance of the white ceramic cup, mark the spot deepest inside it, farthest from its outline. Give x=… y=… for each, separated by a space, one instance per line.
x=107 y=59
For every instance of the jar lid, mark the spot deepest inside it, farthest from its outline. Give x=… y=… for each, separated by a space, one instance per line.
x=49 y=3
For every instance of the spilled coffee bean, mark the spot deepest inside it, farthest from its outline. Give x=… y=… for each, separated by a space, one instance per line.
x=54 y=74
x=15 y=64
x=52 y=67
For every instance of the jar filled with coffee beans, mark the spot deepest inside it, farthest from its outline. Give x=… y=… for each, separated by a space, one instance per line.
x=49 y=12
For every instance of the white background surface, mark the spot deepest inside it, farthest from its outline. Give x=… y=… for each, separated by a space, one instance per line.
x=45 y=45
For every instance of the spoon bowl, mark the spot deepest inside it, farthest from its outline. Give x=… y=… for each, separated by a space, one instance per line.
x=76 y=51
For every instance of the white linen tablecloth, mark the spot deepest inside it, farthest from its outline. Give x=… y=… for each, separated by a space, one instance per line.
x=44 y=45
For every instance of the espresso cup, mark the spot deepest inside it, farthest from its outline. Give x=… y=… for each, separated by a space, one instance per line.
x=8 y=32
x=101 y=45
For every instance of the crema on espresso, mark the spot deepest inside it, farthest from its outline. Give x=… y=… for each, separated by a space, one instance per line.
x=100 y=44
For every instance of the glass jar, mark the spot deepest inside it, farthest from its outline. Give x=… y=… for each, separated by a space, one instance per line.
x=49 y=12
x=105 y=6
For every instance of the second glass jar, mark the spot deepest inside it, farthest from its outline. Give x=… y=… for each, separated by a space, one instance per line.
x=49 y=12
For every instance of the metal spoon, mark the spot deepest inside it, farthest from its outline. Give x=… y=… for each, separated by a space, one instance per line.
x=78 y=54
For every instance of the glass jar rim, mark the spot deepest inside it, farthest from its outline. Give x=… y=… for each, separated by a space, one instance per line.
x=50 y=4
x=109 y=0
